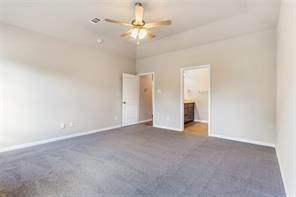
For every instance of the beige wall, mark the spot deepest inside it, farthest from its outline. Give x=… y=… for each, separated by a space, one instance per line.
x=146 y=97
x=46 y=82
x=243 y=85
x=286 y=98
x=196 y=88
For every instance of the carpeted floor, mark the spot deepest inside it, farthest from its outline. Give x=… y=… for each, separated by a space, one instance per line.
x=141 y=161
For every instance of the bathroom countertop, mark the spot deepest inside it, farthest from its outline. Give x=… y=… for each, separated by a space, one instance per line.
x=188 y=101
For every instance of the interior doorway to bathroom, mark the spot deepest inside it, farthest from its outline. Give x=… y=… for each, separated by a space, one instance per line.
x=195 y=106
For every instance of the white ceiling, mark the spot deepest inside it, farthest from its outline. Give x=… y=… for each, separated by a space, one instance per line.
x=194 y=22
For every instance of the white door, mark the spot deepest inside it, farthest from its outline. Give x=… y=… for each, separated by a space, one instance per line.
x=130 y=99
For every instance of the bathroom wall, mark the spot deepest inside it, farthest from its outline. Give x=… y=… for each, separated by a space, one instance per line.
x=196 y=88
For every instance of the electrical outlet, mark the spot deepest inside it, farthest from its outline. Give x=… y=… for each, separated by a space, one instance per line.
x=115 y=118
x=63 y=126
x=70 y=124
x=167 y=118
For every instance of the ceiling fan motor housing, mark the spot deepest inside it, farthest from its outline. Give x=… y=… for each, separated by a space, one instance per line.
x=138 y=12
x=135 y=23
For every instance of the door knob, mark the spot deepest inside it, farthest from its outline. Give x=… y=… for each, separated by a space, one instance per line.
x=124 y=102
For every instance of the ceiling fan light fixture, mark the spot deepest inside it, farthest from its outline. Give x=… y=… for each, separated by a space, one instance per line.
x=142 y=34
x=137 y=33
x=134 y=33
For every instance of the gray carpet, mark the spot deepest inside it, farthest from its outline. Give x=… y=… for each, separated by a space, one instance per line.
x=141 y=161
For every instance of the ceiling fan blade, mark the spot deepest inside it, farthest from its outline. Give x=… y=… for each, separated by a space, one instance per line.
x=118 y=22
x=151 y=35
x=157 y=24
x=139 y=13
x=126 y=34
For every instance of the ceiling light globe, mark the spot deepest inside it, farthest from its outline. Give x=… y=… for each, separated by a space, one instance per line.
x=142 y=33
x=134 y=33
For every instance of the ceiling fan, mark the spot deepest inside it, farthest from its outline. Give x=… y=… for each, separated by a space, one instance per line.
x=139 y=28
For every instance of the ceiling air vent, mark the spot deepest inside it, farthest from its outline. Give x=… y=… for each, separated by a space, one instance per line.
x=95 y=20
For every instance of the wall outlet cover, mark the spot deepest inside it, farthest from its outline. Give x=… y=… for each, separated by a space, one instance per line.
x=63 y=125
x=70 y=124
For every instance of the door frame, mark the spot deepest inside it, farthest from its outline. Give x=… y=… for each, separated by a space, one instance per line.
x=153 y=95
x=182 y=94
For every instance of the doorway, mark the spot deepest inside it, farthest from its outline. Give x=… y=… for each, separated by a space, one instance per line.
x=195 y=100
x=146 y=94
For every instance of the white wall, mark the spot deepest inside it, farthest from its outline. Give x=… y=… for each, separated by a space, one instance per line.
x=243 y=85
x=286 y=98
x=46 y=82
x=146 y=97
x=196 y=87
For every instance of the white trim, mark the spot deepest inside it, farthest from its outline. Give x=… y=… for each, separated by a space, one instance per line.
x=143 y=121
x=182 y=95
x=167 y=128
x=153 y=94
x=282 y=172
x=27 y=145
x=202 y=121
x=243 y=140
x=143 y=74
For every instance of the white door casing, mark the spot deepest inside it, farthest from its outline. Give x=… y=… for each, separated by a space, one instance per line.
x=130 y=99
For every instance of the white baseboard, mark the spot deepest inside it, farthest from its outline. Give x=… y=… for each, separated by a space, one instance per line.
x=143 y=121
x=167 y=128
x=243 y=140
x=282 y=172
x=27 y=145
x=202 y=121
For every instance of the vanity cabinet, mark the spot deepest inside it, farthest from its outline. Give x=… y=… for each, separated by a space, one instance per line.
x=188 y=112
